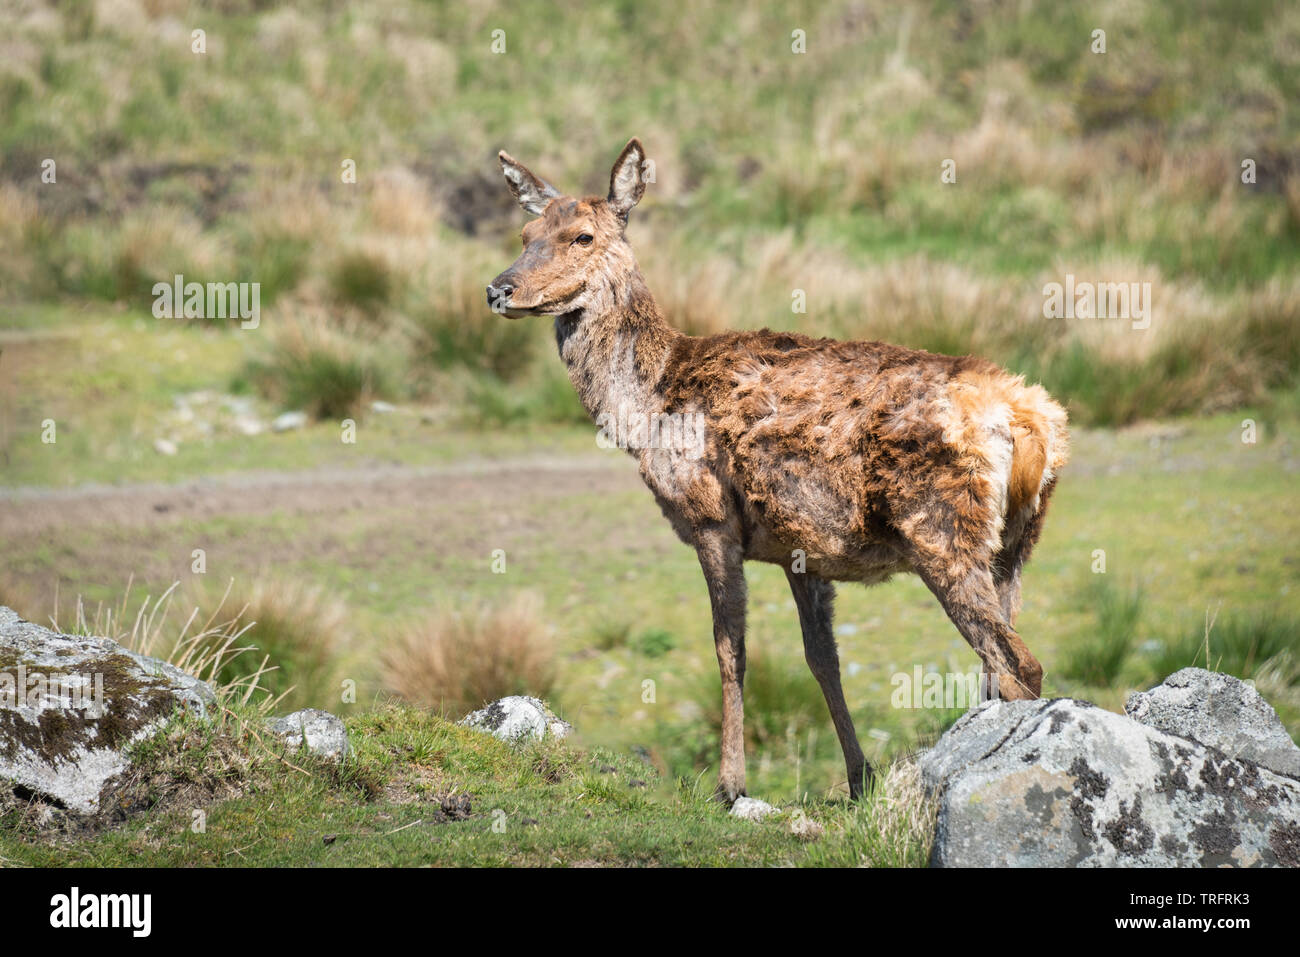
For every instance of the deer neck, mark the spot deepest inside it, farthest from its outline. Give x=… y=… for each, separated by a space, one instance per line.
x=615 y=351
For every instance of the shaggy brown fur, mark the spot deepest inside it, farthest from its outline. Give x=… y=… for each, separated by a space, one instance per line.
x=840 y=461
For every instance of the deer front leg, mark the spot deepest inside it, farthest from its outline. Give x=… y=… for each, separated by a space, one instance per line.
x=815 y=599
x=723 y=564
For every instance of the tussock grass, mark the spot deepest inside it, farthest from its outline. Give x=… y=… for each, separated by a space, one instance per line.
x=456 y=660
x=362 y=278
x=299 y=629
x=326 y=371
x=892 y=827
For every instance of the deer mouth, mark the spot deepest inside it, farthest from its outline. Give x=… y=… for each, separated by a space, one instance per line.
x=554 y=307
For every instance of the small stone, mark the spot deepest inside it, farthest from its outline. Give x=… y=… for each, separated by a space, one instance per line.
x=381 y=406
x=751 y=809
x=804 y=827
x=288 y=421
x=324 y=733
x=517 y=717
x=164 y=447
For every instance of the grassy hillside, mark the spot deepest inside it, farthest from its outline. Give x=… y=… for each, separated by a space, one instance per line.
x=775 y=171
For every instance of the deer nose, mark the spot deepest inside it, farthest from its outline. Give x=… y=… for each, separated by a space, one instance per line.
x=499 y=294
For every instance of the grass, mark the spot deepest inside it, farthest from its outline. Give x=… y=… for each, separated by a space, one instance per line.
x=1098 y=660
x=419 y=790
x=362 y=279
x=210 y=648
x=458 y=660
x=814 y=176
x=301 y=634
x=315 y=368
x=1240 y=644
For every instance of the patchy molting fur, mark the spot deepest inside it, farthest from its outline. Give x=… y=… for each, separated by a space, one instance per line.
x=865 y=458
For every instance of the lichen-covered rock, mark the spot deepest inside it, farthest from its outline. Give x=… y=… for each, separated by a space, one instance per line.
x=1221 y=711
x=517 y=717
x=70 y=706
x=1064 y=783
x=322 y=732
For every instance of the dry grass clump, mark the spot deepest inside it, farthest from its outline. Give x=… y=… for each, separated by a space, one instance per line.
x=276 y=642
x=400 y=204
x=300 y=629
x=329 y=370
x=892 y=827
x=202 y=647
x=456 y=660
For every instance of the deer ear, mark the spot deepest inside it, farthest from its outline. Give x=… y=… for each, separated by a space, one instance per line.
x=531 y=190
x=626 y=180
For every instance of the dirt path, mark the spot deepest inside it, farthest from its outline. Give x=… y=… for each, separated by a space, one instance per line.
x=514 y=483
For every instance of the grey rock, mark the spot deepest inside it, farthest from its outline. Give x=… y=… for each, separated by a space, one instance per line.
x=1220 y=711
x=517 y=717
x=804 y=827
x=751 y=809
x=322 y=732
x=1063 y=783
x=248 y=425
x=287 y=421
x=64 y=735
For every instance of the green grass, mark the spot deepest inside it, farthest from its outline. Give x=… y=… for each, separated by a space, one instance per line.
x=361 y=279
x=326 y=383
x=540 y=804
x=1237 y=643
x=1098 y=660
x=1066 y=159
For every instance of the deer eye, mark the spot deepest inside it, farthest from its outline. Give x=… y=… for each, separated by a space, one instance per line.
x=584 y=240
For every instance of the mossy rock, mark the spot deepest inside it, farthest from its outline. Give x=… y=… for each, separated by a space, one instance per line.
x=71 y=706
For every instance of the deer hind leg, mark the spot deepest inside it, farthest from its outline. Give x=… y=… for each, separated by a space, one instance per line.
x=815 y=599
x=958 y=567
x=722 y=561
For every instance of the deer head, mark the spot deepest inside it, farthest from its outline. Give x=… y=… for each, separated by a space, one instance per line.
x=576 y=256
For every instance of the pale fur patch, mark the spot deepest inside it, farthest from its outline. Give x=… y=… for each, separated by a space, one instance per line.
x=1011 y=433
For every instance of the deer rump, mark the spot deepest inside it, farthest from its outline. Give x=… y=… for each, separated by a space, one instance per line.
x=840 y=449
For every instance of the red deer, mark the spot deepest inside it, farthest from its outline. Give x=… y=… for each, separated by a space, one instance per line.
x=839 y=461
